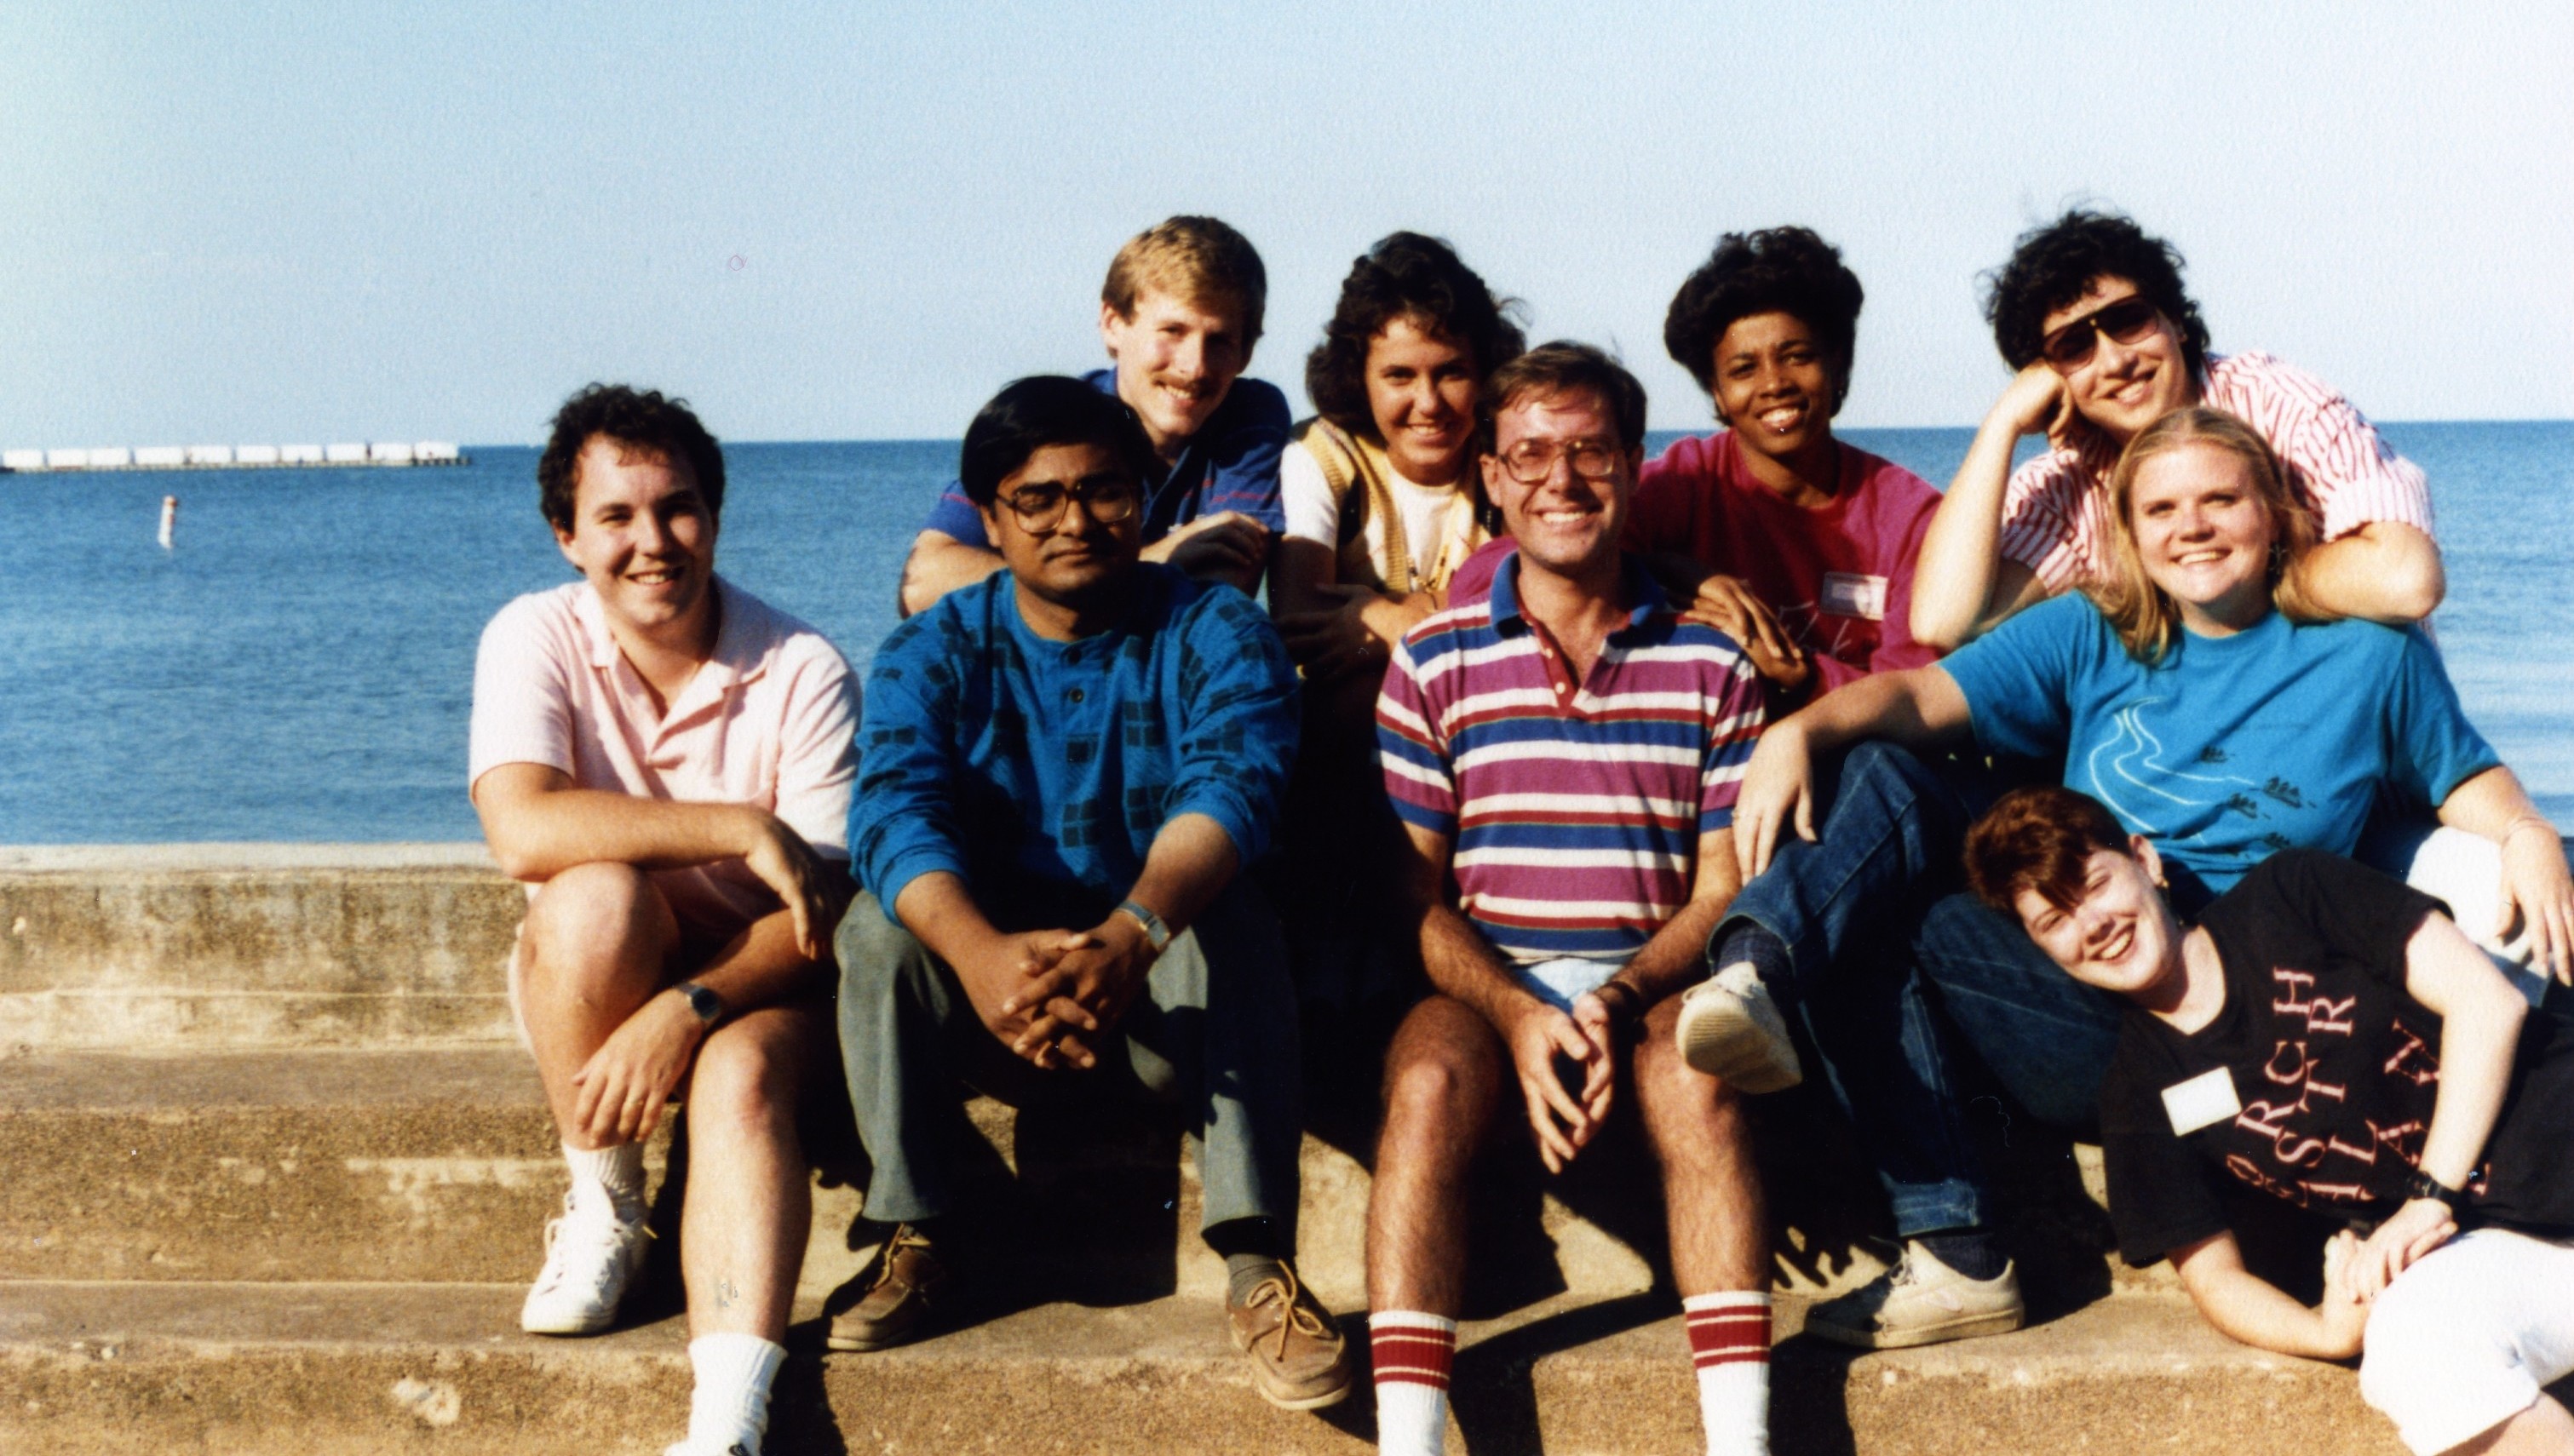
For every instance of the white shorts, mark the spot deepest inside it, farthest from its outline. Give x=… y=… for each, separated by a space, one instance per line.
x=2466 y=1338
x=2464 y=871
x=1559 y=982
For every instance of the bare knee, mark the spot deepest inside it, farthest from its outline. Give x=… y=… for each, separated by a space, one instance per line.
x=597 y=920
x=746 y=1080
x=1682 y=1107
x=1441 y=1074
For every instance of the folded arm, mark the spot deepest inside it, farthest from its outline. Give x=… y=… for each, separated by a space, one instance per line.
x=2385 y=571
x=2249 y=1309
x=539 y=826
x=1921 y=708
x=1963 y=583
x=2538 y=892
x=939 y=564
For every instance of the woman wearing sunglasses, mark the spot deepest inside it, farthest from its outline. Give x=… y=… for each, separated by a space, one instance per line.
x=2091 y=311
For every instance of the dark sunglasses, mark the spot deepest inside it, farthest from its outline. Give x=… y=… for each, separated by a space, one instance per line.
x=2127 y=320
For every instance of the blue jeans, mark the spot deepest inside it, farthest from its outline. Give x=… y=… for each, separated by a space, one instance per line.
x=1873 y=920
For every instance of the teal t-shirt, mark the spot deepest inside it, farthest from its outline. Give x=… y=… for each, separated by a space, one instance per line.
x=2231 y=748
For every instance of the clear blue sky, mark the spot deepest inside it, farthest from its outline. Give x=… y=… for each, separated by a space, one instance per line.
x=308 y=221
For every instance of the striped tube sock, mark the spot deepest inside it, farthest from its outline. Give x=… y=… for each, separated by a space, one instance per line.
x=730 y=1403
x=1728 y=1335
x=1412 y=1353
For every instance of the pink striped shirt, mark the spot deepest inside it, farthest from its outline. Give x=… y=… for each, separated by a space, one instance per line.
x=2056 y=516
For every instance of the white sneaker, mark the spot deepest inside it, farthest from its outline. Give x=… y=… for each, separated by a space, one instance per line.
x=1920 y=1301
x=590 y=1256
x=1731 y=1029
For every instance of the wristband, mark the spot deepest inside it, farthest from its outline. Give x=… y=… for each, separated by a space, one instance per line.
x=1157 y=934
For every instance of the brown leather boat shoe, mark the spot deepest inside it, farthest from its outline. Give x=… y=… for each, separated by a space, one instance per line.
x=910 y=1284
x=1298 y=1357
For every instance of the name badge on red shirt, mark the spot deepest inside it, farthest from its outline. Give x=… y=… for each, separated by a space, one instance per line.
x=1849 y=594
x=2201 y=1101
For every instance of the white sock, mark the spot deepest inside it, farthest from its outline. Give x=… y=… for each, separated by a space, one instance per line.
x=1728 y=1335
x=730 y=1403
x=614 y=1174
x=1411 y=1354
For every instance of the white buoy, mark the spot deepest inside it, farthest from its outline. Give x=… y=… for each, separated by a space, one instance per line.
x=169 y=520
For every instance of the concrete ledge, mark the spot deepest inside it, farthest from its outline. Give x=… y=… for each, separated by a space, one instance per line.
x=98 y=1368
x=136 y=948
x=237 y=856
x=423 y=1167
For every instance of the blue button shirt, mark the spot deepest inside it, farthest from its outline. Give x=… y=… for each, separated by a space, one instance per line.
x=1004 y=758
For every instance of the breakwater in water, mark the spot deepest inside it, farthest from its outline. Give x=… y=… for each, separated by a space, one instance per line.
x=232 y=457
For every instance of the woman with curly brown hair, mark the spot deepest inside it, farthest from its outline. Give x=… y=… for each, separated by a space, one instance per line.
x=2091 y=314
x=1379 y=487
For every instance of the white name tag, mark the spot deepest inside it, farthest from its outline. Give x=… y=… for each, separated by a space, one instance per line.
x=2202 y=1101
x=1848 y=594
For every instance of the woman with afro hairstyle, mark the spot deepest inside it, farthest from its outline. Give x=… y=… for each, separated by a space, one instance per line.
x=2090 y=311
x=1794 y=543
x=1799 y=547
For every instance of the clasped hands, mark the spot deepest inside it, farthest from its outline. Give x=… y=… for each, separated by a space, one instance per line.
x=2357 y=1270
x=1562 y=1119
x=1049 y=995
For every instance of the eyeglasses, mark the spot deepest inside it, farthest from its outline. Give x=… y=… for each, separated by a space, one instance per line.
x=1039 y=505
x=2127 y=320
x=1530 y=462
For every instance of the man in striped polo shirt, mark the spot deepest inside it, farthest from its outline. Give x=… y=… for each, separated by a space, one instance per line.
x=1566 y=751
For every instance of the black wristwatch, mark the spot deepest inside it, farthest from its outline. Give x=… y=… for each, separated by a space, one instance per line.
x=2423 y=1185
x=710 y=1008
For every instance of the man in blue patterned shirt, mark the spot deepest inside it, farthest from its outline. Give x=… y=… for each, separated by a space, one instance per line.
x=1062 y=770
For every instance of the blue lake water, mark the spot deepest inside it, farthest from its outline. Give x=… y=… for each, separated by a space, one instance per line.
x=300 y=666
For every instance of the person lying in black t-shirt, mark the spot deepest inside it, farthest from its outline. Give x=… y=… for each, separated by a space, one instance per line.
x=2326 y=1035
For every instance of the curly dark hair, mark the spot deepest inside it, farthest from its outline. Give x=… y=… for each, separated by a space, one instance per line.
x=2051 y=265
x=1047 y=410
x=1559 y=367
x=1405 y=276
x=639 y=417
x=1777 y=270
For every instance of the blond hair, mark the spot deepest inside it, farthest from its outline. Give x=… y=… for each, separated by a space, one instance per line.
x=2143 y=614
x=1199 y=261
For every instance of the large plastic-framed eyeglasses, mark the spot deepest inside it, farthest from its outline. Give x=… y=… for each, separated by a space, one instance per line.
x=2127 y=320
x=1039 y=505
x=1530 y=462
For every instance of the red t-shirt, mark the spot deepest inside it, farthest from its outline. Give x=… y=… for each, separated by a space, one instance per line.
x=1840 y=578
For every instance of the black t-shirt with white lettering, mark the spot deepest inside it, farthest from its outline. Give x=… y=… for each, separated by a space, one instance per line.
x=2334 y=1067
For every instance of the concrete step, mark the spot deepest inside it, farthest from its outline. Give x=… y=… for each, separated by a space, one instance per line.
x=413 y=1165
x=136 y=947
x=410 y=1166
x=353 y=1370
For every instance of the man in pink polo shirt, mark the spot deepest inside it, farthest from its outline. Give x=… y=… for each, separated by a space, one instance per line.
x=667 y=762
